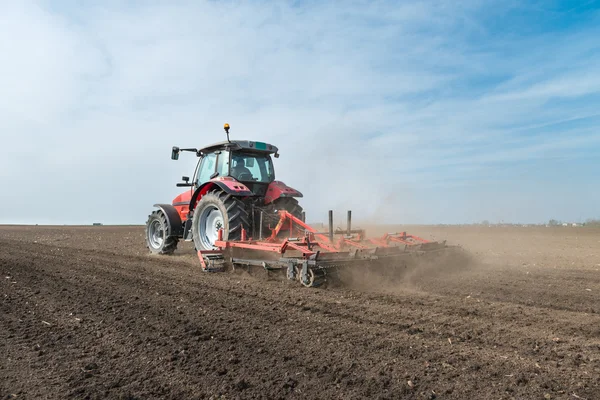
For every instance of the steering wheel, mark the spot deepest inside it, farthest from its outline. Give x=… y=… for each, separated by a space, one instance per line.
x=245 y=176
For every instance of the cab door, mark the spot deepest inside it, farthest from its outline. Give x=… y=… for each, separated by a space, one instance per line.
x=206 y=168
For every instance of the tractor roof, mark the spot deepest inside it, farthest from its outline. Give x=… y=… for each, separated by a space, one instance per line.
x=248 y=145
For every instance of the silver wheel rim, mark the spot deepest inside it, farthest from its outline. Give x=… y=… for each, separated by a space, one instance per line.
x=211 y=221
x=156 y=234
x=310 y=276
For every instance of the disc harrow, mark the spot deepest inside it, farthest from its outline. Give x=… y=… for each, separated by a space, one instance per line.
x=300 y=253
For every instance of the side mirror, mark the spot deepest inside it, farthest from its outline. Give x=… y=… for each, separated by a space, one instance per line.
x=175 y=153
x=186 y=182
x=276 y=155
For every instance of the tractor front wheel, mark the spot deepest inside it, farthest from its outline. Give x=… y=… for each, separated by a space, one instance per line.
x=158 y=235
x=217 y=211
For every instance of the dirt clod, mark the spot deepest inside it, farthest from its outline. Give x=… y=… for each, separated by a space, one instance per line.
x=91 y=367
x=242 y=385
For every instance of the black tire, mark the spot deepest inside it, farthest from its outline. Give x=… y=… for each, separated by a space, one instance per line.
x=158 y=235
x=271 y=216
x=289 y=204
x=235 y=217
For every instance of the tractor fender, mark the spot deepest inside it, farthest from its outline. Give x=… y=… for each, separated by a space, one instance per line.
x=226 y=184
x=279 y=189
x=173 y=219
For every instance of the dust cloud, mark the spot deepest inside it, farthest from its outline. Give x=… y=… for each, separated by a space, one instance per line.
x=415 y=273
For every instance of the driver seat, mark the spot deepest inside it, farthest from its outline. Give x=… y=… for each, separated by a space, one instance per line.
x=240 y=168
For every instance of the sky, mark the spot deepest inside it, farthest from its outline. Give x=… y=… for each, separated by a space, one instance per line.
x=405 y=112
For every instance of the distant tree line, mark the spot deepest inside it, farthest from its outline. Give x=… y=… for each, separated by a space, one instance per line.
x=552 y=222
x=588 y=222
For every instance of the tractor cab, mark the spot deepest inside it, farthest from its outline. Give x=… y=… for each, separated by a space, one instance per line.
x=245 y=161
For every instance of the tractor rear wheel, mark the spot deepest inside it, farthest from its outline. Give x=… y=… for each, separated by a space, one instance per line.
x=215 y=211
x=158 y=235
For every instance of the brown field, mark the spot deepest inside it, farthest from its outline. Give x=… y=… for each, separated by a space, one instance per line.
x=86 y=313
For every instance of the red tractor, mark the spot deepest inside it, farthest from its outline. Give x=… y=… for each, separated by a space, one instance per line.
x=233 y=190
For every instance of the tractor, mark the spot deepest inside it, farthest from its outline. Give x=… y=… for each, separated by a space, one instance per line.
x=240 y=217
x=233 y=190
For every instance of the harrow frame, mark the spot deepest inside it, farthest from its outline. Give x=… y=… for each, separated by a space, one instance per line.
x=312 y=257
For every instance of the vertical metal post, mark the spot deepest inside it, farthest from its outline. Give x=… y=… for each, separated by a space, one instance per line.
x=303 y=216
x=349 y=225
x=253 y=223
x=260 y=226
x=331 y=225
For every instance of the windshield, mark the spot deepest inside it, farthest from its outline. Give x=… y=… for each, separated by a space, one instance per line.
x=252 y=167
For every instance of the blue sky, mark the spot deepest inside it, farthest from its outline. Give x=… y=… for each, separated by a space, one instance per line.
x=429 y=112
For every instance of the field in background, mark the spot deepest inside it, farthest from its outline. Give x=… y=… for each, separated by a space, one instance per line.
x=86 y=312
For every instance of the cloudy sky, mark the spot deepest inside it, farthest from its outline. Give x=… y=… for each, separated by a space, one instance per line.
x=428 y=112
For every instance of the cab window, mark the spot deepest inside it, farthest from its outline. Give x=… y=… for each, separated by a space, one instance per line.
x=223 y=163
x=252 y=167
x=207 y=168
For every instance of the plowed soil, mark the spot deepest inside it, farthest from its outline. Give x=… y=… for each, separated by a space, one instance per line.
x=87 y=313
